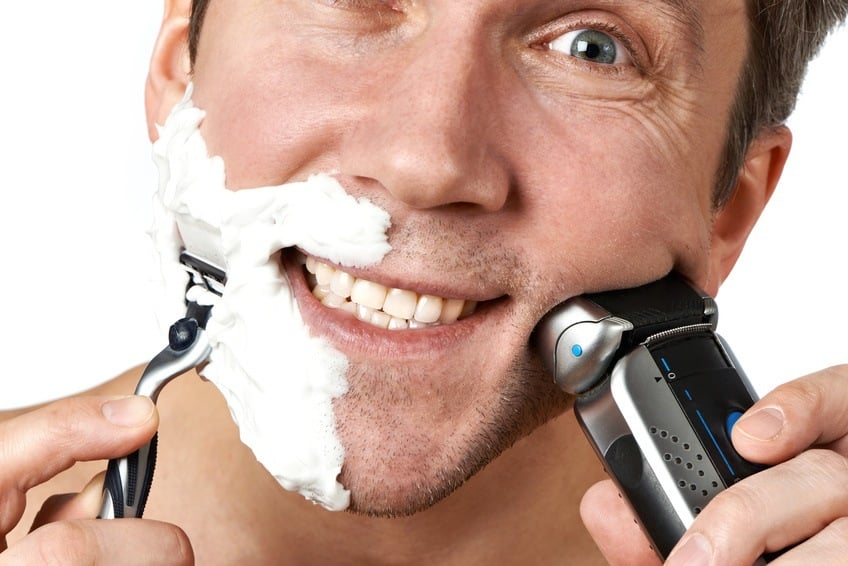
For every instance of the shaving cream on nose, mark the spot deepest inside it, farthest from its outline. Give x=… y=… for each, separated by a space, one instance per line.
x=278 y=380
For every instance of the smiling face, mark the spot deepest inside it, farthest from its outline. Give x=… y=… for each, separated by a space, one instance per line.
x=526 y=150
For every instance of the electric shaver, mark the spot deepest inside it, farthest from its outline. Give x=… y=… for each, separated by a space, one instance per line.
x=658 y=392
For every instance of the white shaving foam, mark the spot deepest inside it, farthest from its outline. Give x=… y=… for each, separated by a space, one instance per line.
x=278 y=380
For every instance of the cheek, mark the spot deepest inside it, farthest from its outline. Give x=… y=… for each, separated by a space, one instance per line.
x=274 y=112
x=615 y=210
x=252 y=127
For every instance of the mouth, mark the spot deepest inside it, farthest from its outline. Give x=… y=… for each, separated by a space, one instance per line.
x=375 y=304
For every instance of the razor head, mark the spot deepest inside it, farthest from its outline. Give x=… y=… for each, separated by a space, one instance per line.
x=581 y=338
x=202 y=254
x=204 y=273
x=578 y=341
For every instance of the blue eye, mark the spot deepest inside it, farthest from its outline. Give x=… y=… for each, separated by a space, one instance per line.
x=591 y=45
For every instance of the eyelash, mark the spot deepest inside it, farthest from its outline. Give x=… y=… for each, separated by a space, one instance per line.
x=545 y=39
x=607 y=28
x=394 y=5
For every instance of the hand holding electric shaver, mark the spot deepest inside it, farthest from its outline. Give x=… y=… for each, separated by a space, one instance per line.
x=658 y=392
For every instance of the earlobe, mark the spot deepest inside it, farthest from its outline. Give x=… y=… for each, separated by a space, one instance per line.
x=755 y=185
x=170 y=68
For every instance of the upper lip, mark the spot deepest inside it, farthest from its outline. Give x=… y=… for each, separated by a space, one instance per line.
x=428 y=284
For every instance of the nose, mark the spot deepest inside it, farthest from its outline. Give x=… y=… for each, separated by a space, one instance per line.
x=430 y=130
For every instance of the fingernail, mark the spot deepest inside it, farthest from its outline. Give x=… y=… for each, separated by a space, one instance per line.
x=128 y=411
x=694 y=551
x=764 y=424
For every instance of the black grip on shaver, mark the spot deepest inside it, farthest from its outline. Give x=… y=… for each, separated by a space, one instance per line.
x=668 y=303
x=144 y=489
x=115 y=487
x=138 y=484
x=636 y=480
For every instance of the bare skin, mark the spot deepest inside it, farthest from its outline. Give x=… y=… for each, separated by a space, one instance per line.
x=194 y=423
x=516 y=175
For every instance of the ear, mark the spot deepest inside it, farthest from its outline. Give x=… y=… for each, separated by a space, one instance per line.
x=170 y=67
x=756 y=183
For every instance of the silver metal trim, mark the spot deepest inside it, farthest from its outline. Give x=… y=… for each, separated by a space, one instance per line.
x=647 y=402
x=579 y=323
x=679 y=331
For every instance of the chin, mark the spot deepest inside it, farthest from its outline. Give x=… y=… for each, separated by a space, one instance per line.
x=407 y=450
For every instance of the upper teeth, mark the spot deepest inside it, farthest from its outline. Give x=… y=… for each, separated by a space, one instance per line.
x=379 y=305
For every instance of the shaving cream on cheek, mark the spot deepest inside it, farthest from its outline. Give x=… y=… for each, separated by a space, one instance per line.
x=278 y=380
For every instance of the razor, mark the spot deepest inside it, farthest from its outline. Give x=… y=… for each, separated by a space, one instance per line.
x=658 y=393
x=128 y=479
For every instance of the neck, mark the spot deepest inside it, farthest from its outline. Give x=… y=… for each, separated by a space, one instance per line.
x=522 y=508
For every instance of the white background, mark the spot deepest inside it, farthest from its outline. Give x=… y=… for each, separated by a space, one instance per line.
x=77 y=179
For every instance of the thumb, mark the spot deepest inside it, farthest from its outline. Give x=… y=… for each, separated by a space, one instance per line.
x=67 y=506
x=614 y=528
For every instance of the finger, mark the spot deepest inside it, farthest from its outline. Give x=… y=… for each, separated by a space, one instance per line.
x=809 y=411
x=768 y=511
x=36 y=446
x=127 y=542
x=614 y=527
x=829 y=547
x=67 y=506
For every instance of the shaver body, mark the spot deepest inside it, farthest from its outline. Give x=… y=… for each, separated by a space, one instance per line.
x=661 y=424
x=658 y=392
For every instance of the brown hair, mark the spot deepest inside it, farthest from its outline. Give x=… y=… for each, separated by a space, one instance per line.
x=784 y=36
x=198 y=12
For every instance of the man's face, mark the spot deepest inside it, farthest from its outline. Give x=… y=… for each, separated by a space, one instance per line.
x=523 y=161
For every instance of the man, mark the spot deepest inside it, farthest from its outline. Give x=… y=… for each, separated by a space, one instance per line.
x=527 y=151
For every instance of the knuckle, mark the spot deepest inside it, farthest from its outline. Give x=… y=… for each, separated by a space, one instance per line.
x=833 y=542
x=825 y=462
x=12 y=504
x=735 y=507
x=63 y=423
x=804 y=394
x=839 y=530
x=813 y=390
x=837 y=533
x=839 y=371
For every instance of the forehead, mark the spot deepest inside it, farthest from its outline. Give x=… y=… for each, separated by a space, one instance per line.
x=687 y=14
x=692 y=38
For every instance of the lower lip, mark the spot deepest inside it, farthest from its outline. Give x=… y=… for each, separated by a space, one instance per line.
x=352 y=336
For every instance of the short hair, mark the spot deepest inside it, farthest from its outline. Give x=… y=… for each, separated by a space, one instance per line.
x=198 y=13
x=784 y=36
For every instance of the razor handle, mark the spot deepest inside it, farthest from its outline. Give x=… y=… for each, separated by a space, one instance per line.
x=661 y=423
x=128 y=479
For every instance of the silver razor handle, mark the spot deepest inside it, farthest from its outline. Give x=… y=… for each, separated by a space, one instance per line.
x=128 y=479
